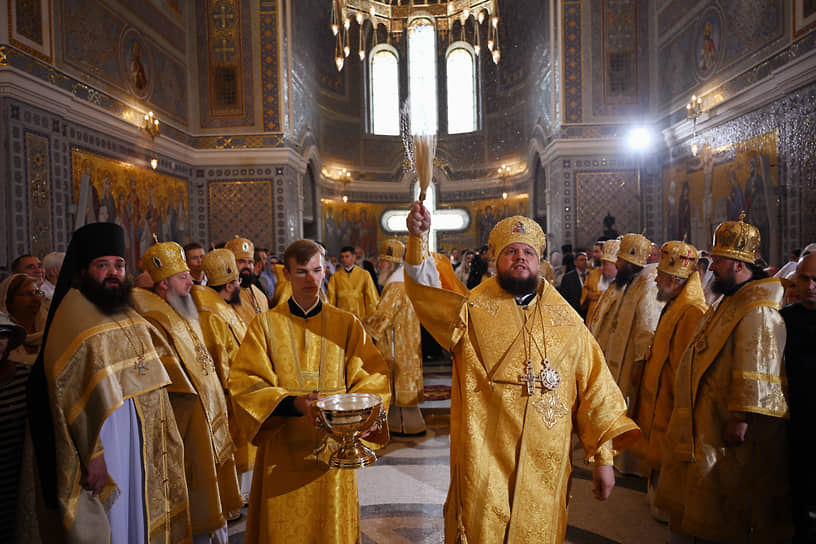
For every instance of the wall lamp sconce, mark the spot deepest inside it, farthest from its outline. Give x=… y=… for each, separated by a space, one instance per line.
x=154 y=163
x=151 y=125
x=694 y=109
x=504 y=170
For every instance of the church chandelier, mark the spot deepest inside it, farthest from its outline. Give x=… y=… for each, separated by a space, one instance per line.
x=396 y=16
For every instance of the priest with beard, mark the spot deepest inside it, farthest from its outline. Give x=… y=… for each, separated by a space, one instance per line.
x=624 y=323
x=212 y=481
x=223 y=332
x=526 y=375
x=109 y=454
x=394 y=326
x=253 y=300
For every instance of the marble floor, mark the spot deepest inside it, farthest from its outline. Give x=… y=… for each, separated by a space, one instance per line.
x=401 y=496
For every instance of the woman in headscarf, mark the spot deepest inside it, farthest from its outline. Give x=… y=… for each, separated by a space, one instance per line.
x=22 y=301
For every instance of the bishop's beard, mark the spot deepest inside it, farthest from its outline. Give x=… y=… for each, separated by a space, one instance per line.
x=183 y=304
x=111 y=296
x=247 y=277
x=518 y=287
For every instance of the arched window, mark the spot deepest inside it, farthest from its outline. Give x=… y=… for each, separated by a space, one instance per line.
x=461 y=80
x=422 y=76
x=384 y=70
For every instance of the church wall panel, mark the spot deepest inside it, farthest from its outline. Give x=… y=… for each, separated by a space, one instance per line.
x=41 y=203
x=762 y=159
x=122 y=57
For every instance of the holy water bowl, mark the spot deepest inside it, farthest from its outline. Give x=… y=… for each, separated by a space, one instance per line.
x=346 y=416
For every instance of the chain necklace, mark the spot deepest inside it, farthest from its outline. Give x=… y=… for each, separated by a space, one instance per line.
x=140 y=364
x=202 y=353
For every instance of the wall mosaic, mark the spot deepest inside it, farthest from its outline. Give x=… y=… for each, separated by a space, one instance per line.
x=241 y=208
x=270 y=84
x=39 y=196
x=598 y=194
x=29 y=24
x=139 y=199
x=701 y=192
x=723 y=36
x=573 y=66
x=120 y=57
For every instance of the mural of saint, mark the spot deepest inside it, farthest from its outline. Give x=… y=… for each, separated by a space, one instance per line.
x=331 y=233
x=756 y=204
x=366 y=233
x=486 y=224
x=671 y=212
x=136 y=71
x=708 y=50
x=736 y=198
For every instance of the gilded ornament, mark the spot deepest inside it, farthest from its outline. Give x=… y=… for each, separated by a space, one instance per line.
x=736 y=240
x=163 y=260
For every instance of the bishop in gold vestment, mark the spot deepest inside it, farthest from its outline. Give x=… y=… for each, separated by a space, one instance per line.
x=253 y=301
x=288 y=354
x=725 y=472
x=212 y=481
x=526 y=375
x=395 y=328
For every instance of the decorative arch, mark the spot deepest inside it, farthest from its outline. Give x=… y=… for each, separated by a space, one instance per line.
x=383 y=99
x=460 y=72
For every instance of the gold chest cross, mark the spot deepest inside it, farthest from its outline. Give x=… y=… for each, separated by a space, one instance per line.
x=549 y=378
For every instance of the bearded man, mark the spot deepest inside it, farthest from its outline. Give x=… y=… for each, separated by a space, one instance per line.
x=212 y=482
x=253 y=300
x=223 y=332
x=526 y=375
x=679 y=286
x=103 y=375
x=395 y=328
x=625 y=320
x=724 y=475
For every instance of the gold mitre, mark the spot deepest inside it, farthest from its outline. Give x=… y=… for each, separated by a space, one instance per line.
x=242 y=248
x=635 y=249
x=678 y=259
x=609 y=250
x=392 y=250
x=516 y=229
x=163 y=260
x=736 y=240
x=219 y=266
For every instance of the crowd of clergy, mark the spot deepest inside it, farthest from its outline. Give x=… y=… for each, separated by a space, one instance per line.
x=153 y=407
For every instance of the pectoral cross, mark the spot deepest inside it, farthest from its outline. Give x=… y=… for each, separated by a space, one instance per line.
x=140 y=365
x=204 y=359
x=530 y=378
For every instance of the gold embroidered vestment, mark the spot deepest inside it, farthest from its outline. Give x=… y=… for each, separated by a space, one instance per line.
x=353 y=291
x=734 y=366
x=94 y=363
x=510 y=451
x=295 y=497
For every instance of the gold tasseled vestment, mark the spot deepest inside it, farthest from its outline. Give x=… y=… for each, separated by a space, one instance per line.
x=395 y=328
x=591 y=285
x=223 y=332
x=353 y=292
x=733 y=367
x=510 y=451
x=624 y=323
x=253 y=302
x=212 y=482
x=94 y=363
x=673 y=335
x=295 y=496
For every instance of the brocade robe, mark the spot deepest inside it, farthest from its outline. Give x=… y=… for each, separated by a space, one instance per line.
x=510 y=450
x=212 y=482
x=96 y=364
x=624 y=323
x=734 y=366
x=394 y=326
x=223 y=332
x=253 y=302
x=295 y=496
x=353 y=292
x=678 y=322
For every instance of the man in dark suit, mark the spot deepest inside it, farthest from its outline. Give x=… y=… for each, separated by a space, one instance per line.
x=573 y=282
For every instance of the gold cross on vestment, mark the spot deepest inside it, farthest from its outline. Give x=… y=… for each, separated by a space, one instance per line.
x=140 y=365
x=530 y=378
